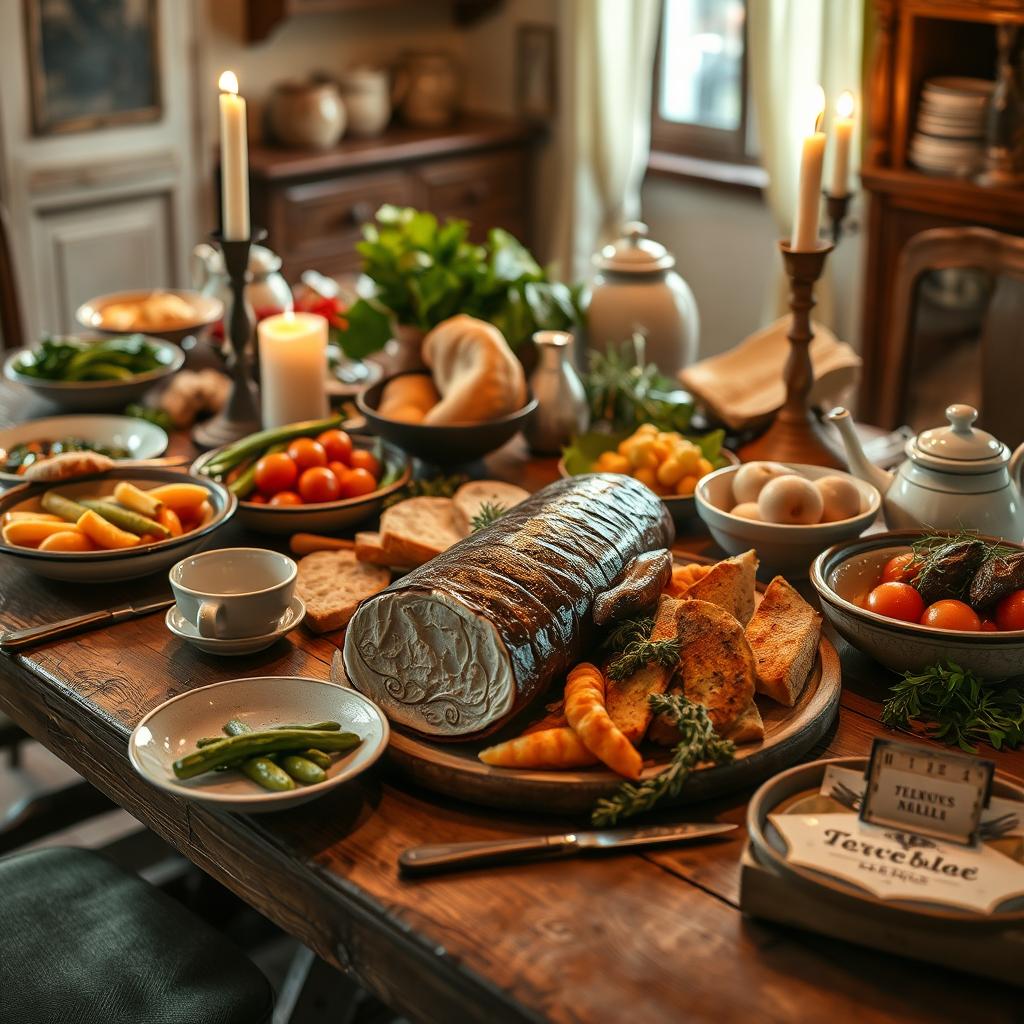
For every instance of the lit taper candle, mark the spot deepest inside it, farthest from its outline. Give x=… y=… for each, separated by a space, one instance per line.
x=842 y=131
x=234 y=160
x=808 y=199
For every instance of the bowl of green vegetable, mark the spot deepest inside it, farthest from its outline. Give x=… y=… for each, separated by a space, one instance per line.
x=89 y=373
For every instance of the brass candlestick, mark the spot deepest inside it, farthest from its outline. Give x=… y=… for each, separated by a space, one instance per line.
x=836 y=208
x=241 y=413
x=795 y=436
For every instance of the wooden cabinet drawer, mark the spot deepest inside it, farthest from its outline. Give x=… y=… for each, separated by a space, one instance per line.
x=324 y=218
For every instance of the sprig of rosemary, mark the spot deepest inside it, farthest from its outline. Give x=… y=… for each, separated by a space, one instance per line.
x=698 y=743
x=954 y=706
x=487 y=514
x=626 y=631
x=638 y=653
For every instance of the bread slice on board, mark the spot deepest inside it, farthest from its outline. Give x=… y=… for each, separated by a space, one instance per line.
x=748 y=728
x=730 y=585
x=368 y=548
x=471 y=497
x=783 y=635
x=417 y=529
x=331 y=585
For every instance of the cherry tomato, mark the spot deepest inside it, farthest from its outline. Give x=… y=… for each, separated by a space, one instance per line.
x=357 y=482
x=988 y=626
x=257 y=499
x=285 y=498
x=900 y=569
x=1010 y=611
x=319 y=484
x=337 y=444
x=275 y=473
x=950 y=614
x=896 y=601
x=339 y=469
x=365 y=460
x=306 y=453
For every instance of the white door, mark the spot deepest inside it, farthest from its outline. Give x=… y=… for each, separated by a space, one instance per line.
x=99 y=210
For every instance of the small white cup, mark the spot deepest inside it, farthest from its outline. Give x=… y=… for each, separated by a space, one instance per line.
x=235 y=592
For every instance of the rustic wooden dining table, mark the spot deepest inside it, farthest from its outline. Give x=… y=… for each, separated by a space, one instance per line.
x=644 y=936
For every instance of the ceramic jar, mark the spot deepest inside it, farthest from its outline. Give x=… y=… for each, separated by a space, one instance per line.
x=636 y=289
x=266 y=290
x=367 y=97
x=562 y=410
x=306 y=115
x=426 y=89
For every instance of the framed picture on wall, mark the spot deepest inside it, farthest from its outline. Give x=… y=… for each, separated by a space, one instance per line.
x=92 y=63
x=536 y=62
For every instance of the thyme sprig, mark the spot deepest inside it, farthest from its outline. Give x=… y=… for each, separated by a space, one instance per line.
x=631 y=644
x=626 y=631
x=487 y=514
x=698 y=743
x=952 y=705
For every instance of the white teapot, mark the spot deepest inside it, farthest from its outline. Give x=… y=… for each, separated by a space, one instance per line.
x=955 y=477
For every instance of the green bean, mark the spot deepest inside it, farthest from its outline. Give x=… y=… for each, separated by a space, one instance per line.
x=126 y=519
x=205 y=741
x=56 y=504
x=301 y=769
x=328 y=726
x=267 y=774
x=318 y=757
x=239 y=748
x=256 y=444
x=236 y=727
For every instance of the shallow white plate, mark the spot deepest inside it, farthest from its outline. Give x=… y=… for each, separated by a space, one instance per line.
x=142 y=439
x=171 y=730
x=185 y=630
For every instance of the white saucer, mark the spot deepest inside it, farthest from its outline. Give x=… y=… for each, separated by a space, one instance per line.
x=181 y=627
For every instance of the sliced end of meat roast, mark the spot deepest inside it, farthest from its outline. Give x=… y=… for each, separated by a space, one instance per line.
x=462 y=643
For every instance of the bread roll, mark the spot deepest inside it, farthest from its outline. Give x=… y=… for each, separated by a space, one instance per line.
x=474 y=369
x=408 y=398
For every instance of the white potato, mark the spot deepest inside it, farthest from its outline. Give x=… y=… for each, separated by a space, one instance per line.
x=790 y=499
x=840 y=497
x=750 y=478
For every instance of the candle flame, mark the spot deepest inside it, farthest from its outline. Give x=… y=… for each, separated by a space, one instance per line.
x=818 y=108
x=228 y=82
x=844 y=105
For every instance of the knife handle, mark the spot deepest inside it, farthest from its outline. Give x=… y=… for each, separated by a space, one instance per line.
x=16 y=639
x=422 y=860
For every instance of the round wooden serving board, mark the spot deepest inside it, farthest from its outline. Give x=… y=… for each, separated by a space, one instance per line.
x=455 y=770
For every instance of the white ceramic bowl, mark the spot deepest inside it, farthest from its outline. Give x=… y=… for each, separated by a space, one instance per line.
x=324 y=517
x=124 y=564
x=93 y=395
x=206 y=311
x=784 y=549
x=844 y=574
x=140 y=438
x=172 y=729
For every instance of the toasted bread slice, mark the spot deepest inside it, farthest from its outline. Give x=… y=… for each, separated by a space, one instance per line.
x=627 y=702
x=685 y=576
x=471 y=497
x=730 y=585
x=368 y=548
x=783 y=635
x=331 y=585
x=414 y=531
x=748 y=728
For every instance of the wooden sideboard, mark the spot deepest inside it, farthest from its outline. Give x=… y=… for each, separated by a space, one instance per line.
x=913 y=40
x=314 y=203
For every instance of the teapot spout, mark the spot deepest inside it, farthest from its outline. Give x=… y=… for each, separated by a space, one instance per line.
x=855 y=458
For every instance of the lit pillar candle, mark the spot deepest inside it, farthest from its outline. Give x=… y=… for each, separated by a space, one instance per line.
x=842 y=131
x=234 y=160
x=293 y=368
x=808 y=199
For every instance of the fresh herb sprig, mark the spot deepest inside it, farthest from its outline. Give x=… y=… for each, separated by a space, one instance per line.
x=631 y=644
x=433 y=487
x=698 y=743
x=954 y=706
x=626 y=631
x=487 y=514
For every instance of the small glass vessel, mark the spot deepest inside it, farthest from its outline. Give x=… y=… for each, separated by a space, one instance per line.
x=562 y=410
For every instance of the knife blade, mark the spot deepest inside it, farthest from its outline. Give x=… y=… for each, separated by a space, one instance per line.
x=19 y=639
x=421 y=860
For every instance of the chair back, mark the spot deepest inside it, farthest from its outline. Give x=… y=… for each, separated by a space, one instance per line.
x=12 y=323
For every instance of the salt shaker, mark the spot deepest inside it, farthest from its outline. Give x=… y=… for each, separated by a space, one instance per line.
x=562 y=410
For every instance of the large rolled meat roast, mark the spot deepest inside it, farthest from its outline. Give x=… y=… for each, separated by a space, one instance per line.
x=459 y=645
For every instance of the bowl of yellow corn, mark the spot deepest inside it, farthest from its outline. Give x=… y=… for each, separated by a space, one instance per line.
x=668 y=462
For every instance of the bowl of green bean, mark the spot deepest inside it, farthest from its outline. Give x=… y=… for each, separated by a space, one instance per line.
x=259 y=744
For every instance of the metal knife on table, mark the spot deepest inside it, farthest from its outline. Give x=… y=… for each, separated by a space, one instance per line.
x=18 y=639
x=422 y=860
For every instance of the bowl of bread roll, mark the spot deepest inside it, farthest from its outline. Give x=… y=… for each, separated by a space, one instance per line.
x=169 y=313
x=470 y=399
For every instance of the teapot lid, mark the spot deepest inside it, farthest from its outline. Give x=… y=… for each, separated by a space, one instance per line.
x=960 y=447
x=634 y=252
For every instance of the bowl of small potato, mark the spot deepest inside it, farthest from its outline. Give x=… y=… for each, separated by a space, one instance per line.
x=117 y=525
x=668 y=462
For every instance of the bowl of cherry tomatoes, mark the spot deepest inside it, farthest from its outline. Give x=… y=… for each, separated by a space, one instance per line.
x=910 y=600
x=309 y=477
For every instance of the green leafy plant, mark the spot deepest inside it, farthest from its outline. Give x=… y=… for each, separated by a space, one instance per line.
x=488 y=513
x=952 y=705
x=424 y=272
x=698 y=743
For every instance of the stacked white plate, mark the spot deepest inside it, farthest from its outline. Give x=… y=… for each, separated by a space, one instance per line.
x=951 y=126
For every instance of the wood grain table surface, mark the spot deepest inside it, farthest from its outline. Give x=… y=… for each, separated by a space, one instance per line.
x=638 y=937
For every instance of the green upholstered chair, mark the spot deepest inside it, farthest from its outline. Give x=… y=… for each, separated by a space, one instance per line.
x=83 y=941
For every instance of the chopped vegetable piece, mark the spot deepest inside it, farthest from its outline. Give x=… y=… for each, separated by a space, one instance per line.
x=126 y=519
x=32 y=532
x=103 y=533
x=137 y=500
x=67 y=540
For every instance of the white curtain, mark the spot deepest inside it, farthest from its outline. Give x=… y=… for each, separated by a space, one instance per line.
x=793 y=46
x=608 y=60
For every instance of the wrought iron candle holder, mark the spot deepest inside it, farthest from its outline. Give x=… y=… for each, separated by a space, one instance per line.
x=836 y=207
x=241 y=413
x=795 y=435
